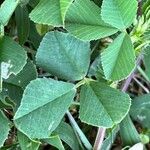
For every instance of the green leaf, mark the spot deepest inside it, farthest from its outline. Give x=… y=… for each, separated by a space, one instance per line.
x=27 y=144
x=118 y=60
x=101 y=105
x=144 y=138
x=43 y=105
x=5 y=102
x=96 y=70
x=23 y=23
x=64 y=56
x=12 y=95
x=140 y=110
x=34 y=37
x=83 y=20
x=14 y=85
x=147 y=61
x=6 y=10
x=4 y=128
x=50 y=12
x=67 y=134
x=119 y=13
x=12 y=57
x=43 y=29
x=128 y=132
x=23 y=78
x=107 y=143
x=55 y=141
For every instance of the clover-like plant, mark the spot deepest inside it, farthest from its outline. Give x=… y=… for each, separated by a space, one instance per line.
x=69 y=63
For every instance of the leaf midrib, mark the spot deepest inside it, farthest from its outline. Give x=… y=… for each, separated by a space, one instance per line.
x=118 y=54
x=93 y=25
x=73 y=64
x=43 y=104
x=62 y=22
x=101 y=103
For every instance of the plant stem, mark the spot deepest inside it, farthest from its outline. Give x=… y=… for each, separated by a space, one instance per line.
x=75 y=126
x=142 y=45
x=129 y=79
x=95 y=46
x=101 y=131
x=80 y=83
x=99 y=138
x=141 y=85
x=127 y=124
x=143 y=73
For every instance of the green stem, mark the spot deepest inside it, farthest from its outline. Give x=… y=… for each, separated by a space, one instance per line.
x=141 y=85
x=142 y=45
x=76 y=103
x=95 y=46
x=143 y=73
x=75 y=126
x=128 y=131
x=79 y=140
x=80 y=83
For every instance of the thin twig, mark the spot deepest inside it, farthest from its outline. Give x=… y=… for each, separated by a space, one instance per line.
x=143 y=73
x=141 y=85
x=95 y=46
x=99 y=138
x=127 y=83
x=75 y=126
x=129 y=79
